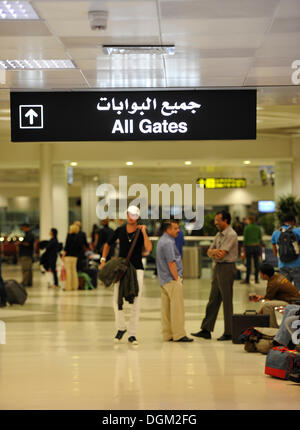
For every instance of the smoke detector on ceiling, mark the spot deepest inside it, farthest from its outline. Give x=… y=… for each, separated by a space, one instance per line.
x=98 y=19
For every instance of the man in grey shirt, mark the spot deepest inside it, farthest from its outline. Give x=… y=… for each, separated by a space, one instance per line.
x=224 y=253
x=170 y=272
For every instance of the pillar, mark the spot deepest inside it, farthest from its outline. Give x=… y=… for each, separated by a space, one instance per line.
x=89 y=202
x=238 y=210
x=283 y=179
x=60 y=198
x=296 y=177
x=296 y=165
x=45 y=190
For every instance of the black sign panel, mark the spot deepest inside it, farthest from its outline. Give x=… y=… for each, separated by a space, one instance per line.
x=133 y=115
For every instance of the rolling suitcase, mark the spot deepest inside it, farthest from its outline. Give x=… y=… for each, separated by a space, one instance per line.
x=250 y=318
x=16 y=293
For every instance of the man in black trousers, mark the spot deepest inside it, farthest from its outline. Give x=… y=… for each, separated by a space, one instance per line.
x=224 y=252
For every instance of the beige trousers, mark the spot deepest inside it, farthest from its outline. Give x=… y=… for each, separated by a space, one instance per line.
x=71 y=273
x=172 y=310
x=268 y=308
x=26 y=265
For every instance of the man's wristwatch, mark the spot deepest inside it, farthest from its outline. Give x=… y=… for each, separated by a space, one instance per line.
x=103 y=259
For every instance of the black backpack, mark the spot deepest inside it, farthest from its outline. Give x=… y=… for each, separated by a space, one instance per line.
x=288 y=245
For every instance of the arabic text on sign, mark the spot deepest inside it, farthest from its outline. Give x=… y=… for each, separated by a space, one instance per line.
x=150 y=104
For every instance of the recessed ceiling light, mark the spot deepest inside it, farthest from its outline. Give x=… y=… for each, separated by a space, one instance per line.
x=259 y=108
x=247 y=162
x=74 y=164
x=138 y=49
x=188 y=163
x=36 y=64
x=17 y=10
x=129 y=163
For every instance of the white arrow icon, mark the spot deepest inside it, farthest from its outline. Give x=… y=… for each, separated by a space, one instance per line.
x=31 y=114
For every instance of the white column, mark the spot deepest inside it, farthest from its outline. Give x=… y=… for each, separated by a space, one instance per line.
x=283 y=179
x=296 y=165
x=45 y=190
x=239 y=210
x=89 y=202
x=60 y=198
x=296 y=178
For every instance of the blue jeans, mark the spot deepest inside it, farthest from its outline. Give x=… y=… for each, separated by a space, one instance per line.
x=2 y=289
x=292 y=274
x=283 y=335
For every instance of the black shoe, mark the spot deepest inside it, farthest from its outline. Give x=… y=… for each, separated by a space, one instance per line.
x=257 y=282
x=119 y=335
x=202 y=333
x=295 y=377
x=291 y=345
x=275 y=343
x=132 y=340
x=184 y=339
x=225 y=337
x=245 y=282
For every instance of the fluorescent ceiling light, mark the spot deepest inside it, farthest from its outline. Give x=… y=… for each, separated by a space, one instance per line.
x=138 y=49
x=16 y=10
x=36 y=64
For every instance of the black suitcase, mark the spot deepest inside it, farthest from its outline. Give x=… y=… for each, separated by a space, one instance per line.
x=240 y=322
x=16 y=293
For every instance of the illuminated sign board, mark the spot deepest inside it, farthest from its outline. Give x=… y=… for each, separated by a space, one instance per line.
x=219 y=183
x=133 y=115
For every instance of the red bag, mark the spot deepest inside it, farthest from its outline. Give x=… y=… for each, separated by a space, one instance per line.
x=63 y=273
x=281 y=362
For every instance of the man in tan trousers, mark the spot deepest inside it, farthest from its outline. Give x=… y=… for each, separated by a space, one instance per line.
x=170 y=272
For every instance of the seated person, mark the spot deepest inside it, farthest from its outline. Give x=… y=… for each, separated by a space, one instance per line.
x=280 y=292
x=284 y=334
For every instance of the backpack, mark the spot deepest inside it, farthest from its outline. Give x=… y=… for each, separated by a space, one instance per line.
x=258 y=339
x=288 y=245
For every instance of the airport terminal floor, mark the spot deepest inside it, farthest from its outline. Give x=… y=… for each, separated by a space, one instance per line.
x=60 y=354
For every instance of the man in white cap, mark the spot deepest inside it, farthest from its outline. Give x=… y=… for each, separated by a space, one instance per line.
x=126 y=234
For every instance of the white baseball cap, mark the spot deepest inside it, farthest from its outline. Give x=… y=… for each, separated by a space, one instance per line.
x=133 y=211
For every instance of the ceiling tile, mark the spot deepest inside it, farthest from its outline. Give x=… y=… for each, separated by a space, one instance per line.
x=24 y=28
x=207 y=9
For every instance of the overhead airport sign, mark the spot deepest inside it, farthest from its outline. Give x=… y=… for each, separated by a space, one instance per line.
x=220 y=183
x=133 y=115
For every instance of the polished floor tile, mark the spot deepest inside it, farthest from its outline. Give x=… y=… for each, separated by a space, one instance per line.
x=59 y=354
